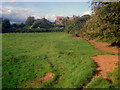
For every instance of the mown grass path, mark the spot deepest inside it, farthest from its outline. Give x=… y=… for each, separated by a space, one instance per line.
x=29 y=56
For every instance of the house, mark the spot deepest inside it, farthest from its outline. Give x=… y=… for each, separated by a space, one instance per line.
x=59 y=19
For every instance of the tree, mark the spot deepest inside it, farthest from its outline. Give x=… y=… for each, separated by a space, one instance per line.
x=0 y=20
x=74 y=26
x=42 y=23
x=64 y=21
x=19 y=25
x=109 y=15
x=0 y=28
x=67 y=18
x=29 y=21
x=6 y=26
x=84 y=18
x=104 y=23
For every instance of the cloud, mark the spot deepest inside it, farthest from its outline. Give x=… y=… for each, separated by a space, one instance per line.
x=19 y=14
x=53 y=17
x=49 y=0
x=87 y=12
x=12 y=1
x=15 y=14
x=49 y=17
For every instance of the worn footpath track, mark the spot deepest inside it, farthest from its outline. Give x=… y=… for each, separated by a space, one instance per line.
x=104 y=63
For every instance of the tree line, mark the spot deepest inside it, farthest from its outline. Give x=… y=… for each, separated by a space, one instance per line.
x=102 y=25
x=31 y=25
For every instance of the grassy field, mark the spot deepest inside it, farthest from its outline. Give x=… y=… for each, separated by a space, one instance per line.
x=28 y=56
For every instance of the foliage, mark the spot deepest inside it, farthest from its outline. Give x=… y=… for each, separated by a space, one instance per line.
x=19 y=25
x=39 y=25
x=75 y=25
x=64 y=21
x=0 y=20
x=6 y=25
x=104 y=23
x=0 y=28
x=29 y=21
x=42 y=23
x=29 y=56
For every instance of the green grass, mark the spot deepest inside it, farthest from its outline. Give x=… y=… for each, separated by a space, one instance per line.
x=115 y=78
x=98 y=82
x=103 y=83
x=28 y=56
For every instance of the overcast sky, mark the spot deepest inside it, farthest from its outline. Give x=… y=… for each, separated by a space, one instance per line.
x=19 y=11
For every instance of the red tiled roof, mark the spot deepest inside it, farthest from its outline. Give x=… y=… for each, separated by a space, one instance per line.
x=59 y=19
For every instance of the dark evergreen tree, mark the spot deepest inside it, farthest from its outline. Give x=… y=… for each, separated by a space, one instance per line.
x=6 y=26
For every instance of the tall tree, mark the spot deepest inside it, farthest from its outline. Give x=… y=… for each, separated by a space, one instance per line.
x=74 y=26
x=29 y=21
x=6 y=25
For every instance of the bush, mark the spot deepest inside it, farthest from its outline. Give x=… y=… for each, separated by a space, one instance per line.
x=104 y=23
x=74 y=26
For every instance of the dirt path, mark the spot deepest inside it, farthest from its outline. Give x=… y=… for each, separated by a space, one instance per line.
x=105 y=63
x=103 y=46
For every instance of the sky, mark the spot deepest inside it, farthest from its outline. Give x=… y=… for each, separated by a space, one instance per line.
x=19 y=11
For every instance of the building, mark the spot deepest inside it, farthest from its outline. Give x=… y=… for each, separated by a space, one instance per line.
x=59 y=19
